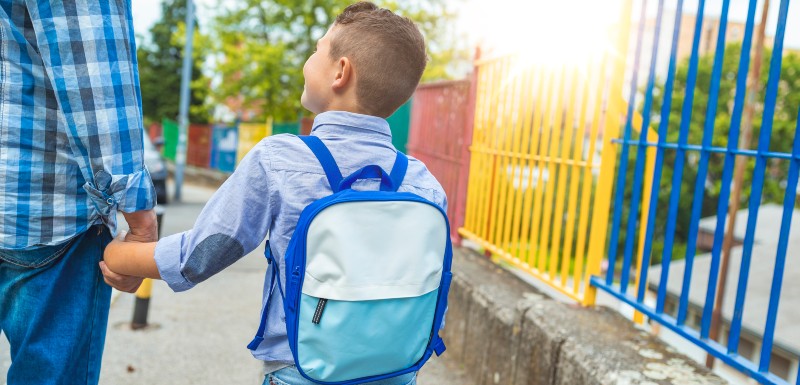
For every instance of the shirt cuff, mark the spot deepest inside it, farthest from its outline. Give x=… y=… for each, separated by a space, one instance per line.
x=127 y=193
x=168 y=260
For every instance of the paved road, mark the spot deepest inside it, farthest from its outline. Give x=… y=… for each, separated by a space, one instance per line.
x=198 y=337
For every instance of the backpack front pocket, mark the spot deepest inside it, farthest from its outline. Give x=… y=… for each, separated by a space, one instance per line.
x=340 y=340
x=366 y=289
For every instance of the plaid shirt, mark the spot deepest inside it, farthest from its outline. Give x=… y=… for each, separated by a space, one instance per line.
x=71 y=151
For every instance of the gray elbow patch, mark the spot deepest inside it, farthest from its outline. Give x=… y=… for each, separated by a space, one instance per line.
x=211 y=256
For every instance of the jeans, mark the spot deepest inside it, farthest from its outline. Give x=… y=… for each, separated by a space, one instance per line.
x=54 y=310
x=290 y=376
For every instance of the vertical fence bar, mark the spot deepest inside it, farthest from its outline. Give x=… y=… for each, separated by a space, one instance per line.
x=579 y=135
x=633 y=212
x=666 y=108
x=609 y=114
x=545 y=256
x=702 y=172
x=780 y=258
x=677 y=176
x=758 y=175
x=588 y=181
x=485 y=172
x=564 y=157
x=728 y=166
x=476 y=158
x=542 y=87
x=464 y=155
x=641 y=264
x=496 y=143
x=544 y=153
x=483 y=188
x=504 y=157
x=524 y=162
x=623 y=162
x=515 y=124
x=547 y=218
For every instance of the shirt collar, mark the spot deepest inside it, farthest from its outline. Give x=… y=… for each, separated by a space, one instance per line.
x=342 y=122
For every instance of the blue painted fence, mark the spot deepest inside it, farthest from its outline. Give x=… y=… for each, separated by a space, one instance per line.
x=617 y=278
x=223 y=148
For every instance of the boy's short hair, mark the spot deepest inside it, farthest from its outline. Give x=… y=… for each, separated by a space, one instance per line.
x=387 y=52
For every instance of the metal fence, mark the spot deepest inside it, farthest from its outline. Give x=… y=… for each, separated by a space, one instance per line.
x=542 y=166
x=628 y=203
x=560 y=180
x=521 y=144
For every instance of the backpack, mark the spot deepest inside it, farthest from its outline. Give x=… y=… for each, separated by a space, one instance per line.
x=367 y=276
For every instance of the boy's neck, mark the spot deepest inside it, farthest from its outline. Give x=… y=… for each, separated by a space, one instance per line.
x=346 y=106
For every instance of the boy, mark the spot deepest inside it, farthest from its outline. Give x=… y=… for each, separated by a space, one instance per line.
x=365 y=67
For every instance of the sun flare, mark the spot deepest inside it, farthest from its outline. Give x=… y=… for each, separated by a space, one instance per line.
x=555 y=32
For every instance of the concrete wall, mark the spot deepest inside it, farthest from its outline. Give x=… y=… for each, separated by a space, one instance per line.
x=500 y=331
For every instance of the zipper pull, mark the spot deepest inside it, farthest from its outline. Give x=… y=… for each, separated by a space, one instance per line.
x=318 y=313
x=291 y=288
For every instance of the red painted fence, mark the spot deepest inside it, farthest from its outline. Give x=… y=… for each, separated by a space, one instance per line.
x=198 y=151
x=440 y=135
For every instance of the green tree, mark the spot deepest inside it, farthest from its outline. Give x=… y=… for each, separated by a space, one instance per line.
x=160 y=65
x=783 y=132
x=261 y=47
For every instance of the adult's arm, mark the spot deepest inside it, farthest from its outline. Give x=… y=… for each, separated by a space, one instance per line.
x=89 y=54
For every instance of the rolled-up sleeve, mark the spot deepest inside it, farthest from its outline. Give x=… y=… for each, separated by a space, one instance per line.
x=233 y=223
x=89 y=53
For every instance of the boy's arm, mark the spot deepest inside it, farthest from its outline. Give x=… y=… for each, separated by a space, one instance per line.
x=131 y=258
x=233 y=223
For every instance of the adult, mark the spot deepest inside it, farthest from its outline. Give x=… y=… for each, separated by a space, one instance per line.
x=71 y=156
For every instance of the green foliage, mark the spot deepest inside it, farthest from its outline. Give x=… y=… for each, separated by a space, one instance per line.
x=783 y=132
x=261 y=47
x=160 y=64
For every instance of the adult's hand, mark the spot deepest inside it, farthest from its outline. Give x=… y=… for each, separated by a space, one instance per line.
x=143 y=226
x=120 y=282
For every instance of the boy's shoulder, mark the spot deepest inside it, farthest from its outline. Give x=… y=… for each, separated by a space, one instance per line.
x=281 y=140
x=278 y=148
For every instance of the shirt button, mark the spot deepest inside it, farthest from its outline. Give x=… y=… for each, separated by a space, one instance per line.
x=110 y=201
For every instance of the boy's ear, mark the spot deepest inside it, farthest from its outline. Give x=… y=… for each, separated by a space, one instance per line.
x=344 y=74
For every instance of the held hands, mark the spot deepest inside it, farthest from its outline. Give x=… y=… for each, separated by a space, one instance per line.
x=121 y=282
x=143 y=226
x=120 y=267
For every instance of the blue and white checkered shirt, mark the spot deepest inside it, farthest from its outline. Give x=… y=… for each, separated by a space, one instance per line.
x=71 y=151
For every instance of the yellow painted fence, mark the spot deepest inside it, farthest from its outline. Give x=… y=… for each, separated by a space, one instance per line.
x=542 y=164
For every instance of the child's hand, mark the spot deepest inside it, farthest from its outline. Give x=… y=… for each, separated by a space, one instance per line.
x=113 y=254
x=120 y=282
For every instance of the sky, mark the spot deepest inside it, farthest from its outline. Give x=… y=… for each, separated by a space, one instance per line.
x=147 y=12
x=526 y=21
x=495 y=20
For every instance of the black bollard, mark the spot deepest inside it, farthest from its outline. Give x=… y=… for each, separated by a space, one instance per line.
x=142 y=304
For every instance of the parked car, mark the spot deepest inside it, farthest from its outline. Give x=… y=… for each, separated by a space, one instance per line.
x=158 y=169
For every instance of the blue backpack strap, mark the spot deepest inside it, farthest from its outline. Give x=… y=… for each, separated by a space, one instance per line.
x=369 y=172
x=399 y=170
x=275 y=276
x=325 y=159
x=389 y=182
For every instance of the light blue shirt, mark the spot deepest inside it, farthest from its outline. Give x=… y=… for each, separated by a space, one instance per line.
x=267 y=192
